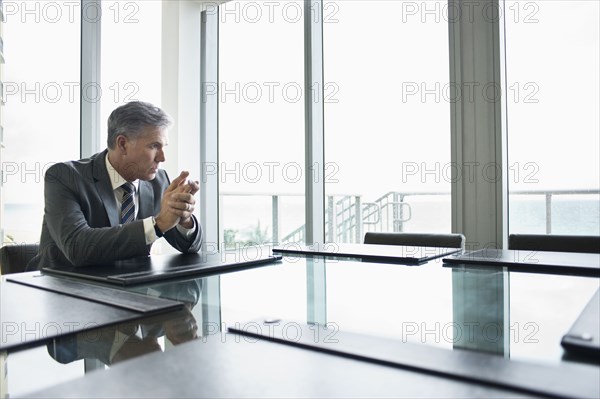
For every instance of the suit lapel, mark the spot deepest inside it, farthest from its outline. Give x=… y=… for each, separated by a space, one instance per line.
x=145 y=200
x=105 y=191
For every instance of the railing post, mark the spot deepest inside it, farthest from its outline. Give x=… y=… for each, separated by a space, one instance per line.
x=359 y=221
x=401 y=221
x=331 y=217
x=548 y=213
x=275 y=218
x=398 y=212
x=386 y=228
x=395 y=225
x=344 y=223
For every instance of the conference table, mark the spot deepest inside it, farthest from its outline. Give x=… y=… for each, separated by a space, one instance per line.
x=307 y=326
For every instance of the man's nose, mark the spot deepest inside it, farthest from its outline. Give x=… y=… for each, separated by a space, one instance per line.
x=160 y=156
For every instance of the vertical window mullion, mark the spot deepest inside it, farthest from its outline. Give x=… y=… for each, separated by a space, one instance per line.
x=209 y=119
x=315 y=154
x=315 y=159
x=90 y=77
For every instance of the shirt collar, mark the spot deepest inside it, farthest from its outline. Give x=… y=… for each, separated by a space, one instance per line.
x=116 y=180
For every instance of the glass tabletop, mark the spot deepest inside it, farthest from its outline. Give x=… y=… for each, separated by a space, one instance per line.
x=487 y=309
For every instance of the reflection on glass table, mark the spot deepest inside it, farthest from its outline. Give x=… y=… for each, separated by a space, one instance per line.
x=515 y=315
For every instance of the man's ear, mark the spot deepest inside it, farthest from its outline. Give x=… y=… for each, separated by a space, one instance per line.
x=121 y=144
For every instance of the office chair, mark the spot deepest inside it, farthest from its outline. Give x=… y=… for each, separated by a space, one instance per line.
x=14 y=258
x=416 y=239
x=559 y=243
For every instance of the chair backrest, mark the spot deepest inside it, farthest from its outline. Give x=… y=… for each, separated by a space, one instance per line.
x=558 y=243
x=416 y=239
x=14 y=258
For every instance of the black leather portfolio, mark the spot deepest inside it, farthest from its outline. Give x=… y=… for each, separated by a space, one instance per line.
x=161 y=267
x=30 y=316
x=95 y=293
x=584 y=336
x=408 y=255
x=575 y=263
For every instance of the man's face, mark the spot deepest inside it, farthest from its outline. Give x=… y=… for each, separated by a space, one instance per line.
x=144 y=153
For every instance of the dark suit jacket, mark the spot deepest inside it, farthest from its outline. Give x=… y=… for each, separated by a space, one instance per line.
x=81 y=217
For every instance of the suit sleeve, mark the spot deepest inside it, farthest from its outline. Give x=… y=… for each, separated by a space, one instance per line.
x=69 y=228
x=183 y=244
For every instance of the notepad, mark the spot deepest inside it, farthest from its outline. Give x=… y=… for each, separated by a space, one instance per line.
x=403 y=254
x=105 y=295
x=576 y=263
x=584 y=335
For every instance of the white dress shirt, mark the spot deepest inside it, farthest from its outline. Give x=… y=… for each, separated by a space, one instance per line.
x=116 y=180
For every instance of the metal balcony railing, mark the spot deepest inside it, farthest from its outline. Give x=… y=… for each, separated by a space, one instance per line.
x=348 y=217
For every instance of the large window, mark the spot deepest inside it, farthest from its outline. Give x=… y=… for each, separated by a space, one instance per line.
x=261 y=121
x=41 y=106
x=131 y=49
x=552 y=89
x=387 y=118
x=261 y=142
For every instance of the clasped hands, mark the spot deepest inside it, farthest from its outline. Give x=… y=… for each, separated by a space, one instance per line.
x=177 y=204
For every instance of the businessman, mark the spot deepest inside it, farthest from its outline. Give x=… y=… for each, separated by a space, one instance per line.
x=116 y=203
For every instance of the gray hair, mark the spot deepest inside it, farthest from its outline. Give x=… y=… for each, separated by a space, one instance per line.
x=129 y=119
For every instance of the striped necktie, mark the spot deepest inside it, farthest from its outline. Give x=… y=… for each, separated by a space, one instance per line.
x=127 y=205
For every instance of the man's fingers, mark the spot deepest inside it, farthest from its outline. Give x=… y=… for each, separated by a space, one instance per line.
x=182 y=207
x=194 y=187
x=182 y=197
x=191 y=187
x=182 y=213
x=179 y=197
x=178 y=181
